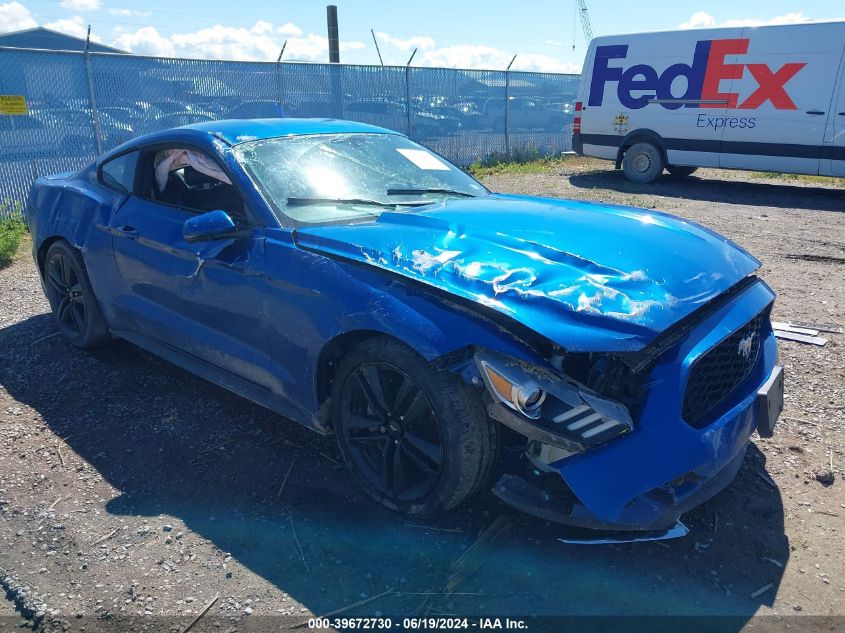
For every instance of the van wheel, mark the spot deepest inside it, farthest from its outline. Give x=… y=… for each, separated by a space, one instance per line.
x=643 y=163
x=680 y=171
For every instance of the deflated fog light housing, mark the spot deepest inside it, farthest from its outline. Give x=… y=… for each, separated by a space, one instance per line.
x=526 y=397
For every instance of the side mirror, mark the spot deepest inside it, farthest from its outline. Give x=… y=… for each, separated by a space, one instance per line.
x=213 y=225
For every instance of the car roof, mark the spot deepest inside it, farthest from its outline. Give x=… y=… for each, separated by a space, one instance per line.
x=234 y=131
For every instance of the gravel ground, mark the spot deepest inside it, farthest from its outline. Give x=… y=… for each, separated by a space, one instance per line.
x=133 y=494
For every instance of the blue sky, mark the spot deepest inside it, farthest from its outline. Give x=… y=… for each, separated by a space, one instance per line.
x=453 y=33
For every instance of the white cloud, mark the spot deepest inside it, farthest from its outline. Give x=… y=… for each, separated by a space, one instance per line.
x=80 y=5
x=129 y=12
x=699 y=20
x=421 y=42
x=468 y=55
x=225 y=42
x=544 y=64
x=257 y=43
x=75 y=26
x=146 y=41
x=703 y=20
x=15 y=17
x=290 y=30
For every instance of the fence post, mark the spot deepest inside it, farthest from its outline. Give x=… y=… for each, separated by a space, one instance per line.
x=508 y=108
x=408 y=94
x=507 y=113
x=92 y=97
x=279 y=84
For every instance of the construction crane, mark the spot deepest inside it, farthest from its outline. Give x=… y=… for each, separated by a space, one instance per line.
x=586 y=27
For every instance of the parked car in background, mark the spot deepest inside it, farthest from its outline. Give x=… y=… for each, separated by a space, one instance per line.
x=597 y=365
x=769 y=98
x=307 y=108
x=393 y=114
x=256 y=109
x=166 y=121
x=523 y=114
x=381 y=112
x=76 y=128
x=470 y=115
x=26 y=136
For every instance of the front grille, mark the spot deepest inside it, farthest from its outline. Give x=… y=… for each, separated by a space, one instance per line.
x=720 y=371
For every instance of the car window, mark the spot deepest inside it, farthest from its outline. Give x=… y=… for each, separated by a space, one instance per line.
x=325 y=178
x=192 y=181
x=119 y=173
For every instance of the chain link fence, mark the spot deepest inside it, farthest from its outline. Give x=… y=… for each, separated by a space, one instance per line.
x=82 y=104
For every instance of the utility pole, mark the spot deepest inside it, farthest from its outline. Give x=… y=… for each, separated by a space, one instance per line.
x=334 y=34
x=334 y=62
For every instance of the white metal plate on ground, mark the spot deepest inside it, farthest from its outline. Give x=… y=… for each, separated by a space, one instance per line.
x=802 y=338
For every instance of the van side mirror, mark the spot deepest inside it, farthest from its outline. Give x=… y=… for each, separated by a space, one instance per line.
x=213 y=225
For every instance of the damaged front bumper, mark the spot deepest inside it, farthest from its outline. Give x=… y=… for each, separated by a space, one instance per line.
x=645 y=479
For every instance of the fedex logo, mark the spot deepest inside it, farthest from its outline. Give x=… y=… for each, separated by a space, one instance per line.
x=638 y=85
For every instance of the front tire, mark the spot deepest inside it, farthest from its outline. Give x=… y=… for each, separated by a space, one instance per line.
x=643 y=163
x=417 y=440
x=68 y=289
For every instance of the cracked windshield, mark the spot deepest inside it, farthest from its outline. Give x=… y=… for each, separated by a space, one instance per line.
x=337 y=177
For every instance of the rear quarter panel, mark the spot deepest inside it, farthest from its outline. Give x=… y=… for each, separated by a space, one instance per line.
x=75 y=208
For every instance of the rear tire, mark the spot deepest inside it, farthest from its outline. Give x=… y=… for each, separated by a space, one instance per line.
x=680 y=171
x=417 y=440
x=642 y=163
x=68 y=289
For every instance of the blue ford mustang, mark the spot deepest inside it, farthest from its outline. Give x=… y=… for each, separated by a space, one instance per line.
x=596 y=365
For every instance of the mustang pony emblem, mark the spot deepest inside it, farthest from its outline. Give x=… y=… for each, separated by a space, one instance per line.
x=744 y=348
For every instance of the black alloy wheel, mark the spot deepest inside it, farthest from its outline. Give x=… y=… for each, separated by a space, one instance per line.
x=68 y=289
x=416 y=438
x=392 y=432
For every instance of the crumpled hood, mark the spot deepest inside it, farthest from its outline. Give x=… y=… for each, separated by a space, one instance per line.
x=590 y=277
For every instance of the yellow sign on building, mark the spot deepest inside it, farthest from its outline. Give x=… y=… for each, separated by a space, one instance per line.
x=13 y=104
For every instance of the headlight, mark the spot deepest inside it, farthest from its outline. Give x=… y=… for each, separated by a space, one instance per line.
x=526 y=397
x=555 y=405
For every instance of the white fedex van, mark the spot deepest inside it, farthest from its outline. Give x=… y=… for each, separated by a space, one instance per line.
x=769 y=98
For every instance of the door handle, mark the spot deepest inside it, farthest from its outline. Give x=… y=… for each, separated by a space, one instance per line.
x=842 y=114
x=129 y=232
x=815 y=112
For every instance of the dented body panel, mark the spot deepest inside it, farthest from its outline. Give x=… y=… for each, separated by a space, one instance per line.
x=589 y=277
x=546 y=283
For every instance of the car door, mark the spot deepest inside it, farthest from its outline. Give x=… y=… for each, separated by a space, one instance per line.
x=198 y=298
x=784 y=96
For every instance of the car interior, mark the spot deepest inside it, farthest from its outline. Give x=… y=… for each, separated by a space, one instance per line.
x=196 y=186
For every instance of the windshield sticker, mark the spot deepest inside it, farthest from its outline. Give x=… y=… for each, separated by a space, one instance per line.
x=423 y=159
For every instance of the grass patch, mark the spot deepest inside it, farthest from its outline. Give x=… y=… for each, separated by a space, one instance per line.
x=520 y=162
x=816 y=180
x=12 y=230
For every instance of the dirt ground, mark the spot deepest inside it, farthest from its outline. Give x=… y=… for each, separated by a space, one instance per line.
x=133 y=494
